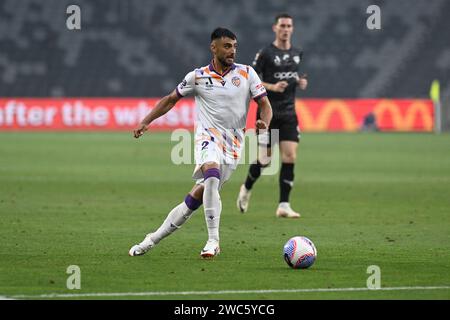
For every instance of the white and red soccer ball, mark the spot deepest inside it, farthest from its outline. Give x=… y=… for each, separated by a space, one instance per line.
x=300 y=252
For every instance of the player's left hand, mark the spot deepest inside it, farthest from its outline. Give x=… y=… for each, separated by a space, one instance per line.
x=303 y=82
x=261 y=125
x=139 y=131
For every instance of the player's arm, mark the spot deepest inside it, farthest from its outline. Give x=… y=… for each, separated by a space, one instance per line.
x=265 y=114
x=259 y=64
x=280 y=86
x=302 y=81
x=162 y=107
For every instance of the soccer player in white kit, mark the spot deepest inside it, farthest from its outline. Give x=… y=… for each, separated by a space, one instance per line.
x=222 y=92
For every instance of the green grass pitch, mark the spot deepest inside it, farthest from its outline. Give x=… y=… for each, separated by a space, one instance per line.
x=84 y=198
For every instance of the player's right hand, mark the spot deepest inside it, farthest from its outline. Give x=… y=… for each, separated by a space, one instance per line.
x=280 y=86
x=139 y=131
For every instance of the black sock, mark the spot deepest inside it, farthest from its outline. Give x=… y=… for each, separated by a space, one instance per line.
x=253 y=174
x=286 y=181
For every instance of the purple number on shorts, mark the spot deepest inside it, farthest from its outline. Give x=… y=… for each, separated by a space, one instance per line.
x=204 y=144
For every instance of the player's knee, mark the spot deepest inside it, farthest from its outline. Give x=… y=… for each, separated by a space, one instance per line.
x=209 y=165
x=264 y=162
x=264 y=159
x=289 y=157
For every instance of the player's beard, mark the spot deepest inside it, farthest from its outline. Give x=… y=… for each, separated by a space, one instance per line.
x=224 y=62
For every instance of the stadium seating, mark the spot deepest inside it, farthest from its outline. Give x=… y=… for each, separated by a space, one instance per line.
x=140 y=48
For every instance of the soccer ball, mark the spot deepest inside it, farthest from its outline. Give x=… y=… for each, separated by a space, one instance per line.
x=300 y=252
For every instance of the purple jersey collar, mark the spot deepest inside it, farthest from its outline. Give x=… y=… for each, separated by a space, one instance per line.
x=211 y=68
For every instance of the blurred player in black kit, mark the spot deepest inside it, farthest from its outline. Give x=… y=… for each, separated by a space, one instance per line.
x=278 y=66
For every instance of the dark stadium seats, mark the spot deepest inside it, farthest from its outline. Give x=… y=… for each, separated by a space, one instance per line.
x=139 y=48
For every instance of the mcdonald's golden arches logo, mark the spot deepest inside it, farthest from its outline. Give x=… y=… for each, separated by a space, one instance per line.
x=348 y=115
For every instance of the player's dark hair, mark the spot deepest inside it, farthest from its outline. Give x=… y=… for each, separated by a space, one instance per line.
x=222 y=32
x=282 y=15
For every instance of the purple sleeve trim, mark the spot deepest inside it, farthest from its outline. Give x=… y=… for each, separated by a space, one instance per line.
x=260 y=96
x=178 y=93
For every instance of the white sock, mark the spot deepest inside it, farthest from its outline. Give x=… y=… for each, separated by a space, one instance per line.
x=212 y=206
x=284 y=205
x=178 y=216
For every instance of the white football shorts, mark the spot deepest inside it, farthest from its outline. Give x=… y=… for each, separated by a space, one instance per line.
x=211 y=147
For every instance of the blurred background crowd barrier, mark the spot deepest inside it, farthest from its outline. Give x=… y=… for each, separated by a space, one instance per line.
x=140 y=49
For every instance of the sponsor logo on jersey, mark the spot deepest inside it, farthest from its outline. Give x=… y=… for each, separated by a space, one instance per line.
x=277 y=61
x=209 y=84
x=236 y=81
x=285 y=75
x=183 y=84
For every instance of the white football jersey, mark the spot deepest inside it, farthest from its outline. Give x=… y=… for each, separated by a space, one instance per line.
x=222 y=101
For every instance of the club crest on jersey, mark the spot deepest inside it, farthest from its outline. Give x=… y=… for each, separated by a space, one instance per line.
x=297 y=59
x=236 y=81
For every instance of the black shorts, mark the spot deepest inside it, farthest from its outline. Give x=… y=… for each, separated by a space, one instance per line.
x=287 y=126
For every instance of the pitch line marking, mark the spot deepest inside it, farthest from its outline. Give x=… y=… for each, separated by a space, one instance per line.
x=220 y=292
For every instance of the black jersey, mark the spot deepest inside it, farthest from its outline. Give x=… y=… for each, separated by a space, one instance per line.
x=273 y=65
